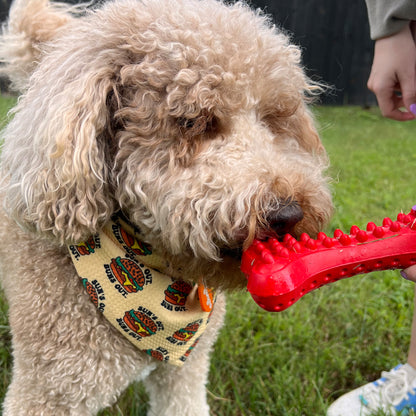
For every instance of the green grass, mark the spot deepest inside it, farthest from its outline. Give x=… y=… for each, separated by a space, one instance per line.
x=299 y=361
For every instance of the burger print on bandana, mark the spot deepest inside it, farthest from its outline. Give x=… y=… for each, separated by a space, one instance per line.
x=91 y=291
x=131 y=245
x=188 y=352
x=140 y=323
x=127 y=275
x=183 y=335
x=85 y=248
x=96 y=293
x=159 y=354
x=176 y=295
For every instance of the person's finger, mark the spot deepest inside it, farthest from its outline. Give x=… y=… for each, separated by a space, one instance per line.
x=385 y=89
x=409 y=273
x=391 y=105
x=407 y=82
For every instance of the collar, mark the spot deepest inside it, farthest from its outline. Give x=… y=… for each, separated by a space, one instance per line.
x=158 y=314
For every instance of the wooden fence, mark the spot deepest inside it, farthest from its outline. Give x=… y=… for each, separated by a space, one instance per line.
x=334 y=35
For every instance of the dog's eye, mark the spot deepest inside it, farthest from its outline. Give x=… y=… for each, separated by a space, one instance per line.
x=186 y=123
x=202 y=125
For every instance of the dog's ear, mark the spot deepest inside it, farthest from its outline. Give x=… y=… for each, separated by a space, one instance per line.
x=30 y=25
x=306 y=133
x=55 y=157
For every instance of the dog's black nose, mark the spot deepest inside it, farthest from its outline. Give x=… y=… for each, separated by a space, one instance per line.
x=285 y=218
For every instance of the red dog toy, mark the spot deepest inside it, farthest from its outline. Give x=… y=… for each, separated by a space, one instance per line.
x=280 y=273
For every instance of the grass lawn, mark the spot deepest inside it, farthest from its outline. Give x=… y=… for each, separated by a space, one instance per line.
x=295 y=363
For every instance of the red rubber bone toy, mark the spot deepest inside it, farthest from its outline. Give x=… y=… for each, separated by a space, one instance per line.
x=280 y=273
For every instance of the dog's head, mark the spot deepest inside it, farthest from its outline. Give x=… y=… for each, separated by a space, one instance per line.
x=190 y=116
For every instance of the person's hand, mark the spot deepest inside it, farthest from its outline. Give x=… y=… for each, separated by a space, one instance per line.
x=409 y=273
x=394 y=71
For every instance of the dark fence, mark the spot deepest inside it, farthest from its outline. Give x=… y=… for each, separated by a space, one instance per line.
x=334 y=36
x=335 y=39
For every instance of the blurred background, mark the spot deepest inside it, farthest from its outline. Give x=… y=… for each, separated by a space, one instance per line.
x=335 y=39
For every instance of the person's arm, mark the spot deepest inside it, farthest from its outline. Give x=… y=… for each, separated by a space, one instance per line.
x=394 y=71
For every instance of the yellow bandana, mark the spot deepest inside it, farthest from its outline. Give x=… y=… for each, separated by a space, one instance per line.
x=159 y=315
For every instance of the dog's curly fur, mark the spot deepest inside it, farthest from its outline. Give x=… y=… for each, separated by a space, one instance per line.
x=189 y=116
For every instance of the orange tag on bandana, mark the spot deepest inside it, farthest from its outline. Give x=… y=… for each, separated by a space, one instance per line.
x=206 y=298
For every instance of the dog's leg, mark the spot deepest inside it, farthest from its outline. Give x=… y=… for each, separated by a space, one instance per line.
x=73 y=387
x=181 y=390
x=54 y=381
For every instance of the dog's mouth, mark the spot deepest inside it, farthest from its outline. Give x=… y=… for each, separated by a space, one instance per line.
x=276 y=224
x=236 y=252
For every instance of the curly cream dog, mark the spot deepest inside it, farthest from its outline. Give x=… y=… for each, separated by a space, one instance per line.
x=189 y=117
